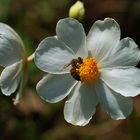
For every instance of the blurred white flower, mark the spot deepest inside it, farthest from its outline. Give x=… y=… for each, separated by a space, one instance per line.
x=97 y=68
x=13 y=59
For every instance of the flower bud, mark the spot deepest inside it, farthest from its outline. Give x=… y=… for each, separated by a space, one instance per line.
x=77 y=10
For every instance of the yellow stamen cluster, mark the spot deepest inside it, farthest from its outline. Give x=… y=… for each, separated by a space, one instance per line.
x=88 y=71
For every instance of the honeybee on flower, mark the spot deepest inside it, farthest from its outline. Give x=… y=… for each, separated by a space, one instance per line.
x=104 y=70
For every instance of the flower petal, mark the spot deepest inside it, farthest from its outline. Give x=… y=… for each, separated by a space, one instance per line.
x=126 y=53
x=20 y=90
x=11 y=46
x=72 y=33
x=116 y=105
x=54 y=88
x=9 y=79
x=52 y=56
x=125 y=81
x=102 y=37
x=80 y=106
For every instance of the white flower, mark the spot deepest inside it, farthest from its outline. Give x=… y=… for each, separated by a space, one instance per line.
x=107 y=74
x=12 y=58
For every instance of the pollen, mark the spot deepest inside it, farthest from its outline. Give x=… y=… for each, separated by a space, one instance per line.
x=88 y=71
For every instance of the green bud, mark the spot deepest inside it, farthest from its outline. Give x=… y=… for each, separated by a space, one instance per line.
x=77 y=10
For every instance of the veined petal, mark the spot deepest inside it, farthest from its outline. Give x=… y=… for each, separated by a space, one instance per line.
x=9 y=79
x=81 y=105
x=72 y=33
x=102 y=37
x=125 y=81
x=54 y=88
x=116 y=105
x=53 y=55
x=11 y=46
x=126 y=53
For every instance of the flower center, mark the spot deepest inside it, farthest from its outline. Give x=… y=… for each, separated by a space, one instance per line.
x=88 y=70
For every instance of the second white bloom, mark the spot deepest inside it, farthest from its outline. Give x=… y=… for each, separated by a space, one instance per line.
x=13 y=59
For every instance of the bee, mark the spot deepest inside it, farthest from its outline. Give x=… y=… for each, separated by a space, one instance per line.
x=75 y=64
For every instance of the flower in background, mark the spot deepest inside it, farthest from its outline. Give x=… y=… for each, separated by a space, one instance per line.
x=13 y=59
x=89 y=70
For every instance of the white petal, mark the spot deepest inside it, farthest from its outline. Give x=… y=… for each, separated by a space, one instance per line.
x=103 y=36
x=116 y=105
x=54 y=88
x=11 y=46
x=126 y=53
x=52 y=56
x=125 y=81
x=81 y=105
x=20 y=90
x=72 y=33
x=9 y=79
